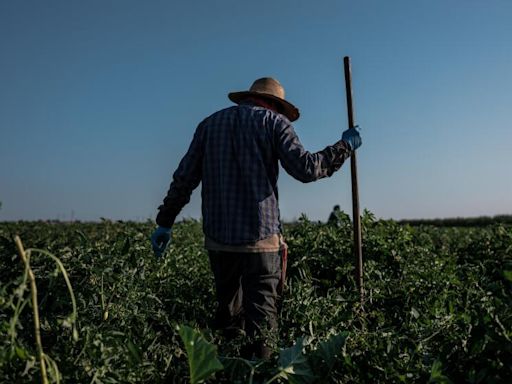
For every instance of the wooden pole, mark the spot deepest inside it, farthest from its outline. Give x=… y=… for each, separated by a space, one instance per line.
x=358 y=251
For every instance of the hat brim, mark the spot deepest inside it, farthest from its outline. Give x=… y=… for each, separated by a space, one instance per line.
x=287 y=109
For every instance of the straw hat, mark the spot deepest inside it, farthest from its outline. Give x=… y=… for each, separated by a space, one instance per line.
x=270 y=89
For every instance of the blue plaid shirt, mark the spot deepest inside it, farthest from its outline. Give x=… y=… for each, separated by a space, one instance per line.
x=235 y=154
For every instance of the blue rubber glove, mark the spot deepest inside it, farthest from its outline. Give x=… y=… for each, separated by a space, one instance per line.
x=352 y=137
x=160 y=239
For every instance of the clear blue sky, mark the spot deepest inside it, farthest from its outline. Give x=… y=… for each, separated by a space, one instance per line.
x=99 y=100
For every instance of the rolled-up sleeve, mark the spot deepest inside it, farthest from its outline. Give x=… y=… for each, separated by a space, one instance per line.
x=185 y=179
x=304 y=165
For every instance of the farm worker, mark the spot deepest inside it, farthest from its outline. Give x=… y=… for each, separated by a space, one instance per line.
x=235 y=154
x=334 y=217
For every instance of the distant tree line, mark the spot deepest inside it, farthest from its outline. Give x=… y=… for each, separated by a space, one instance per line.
x=461 y=221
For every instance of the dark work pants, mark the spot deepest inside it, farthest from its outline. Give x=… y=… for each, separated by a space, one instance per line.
x=247 y=290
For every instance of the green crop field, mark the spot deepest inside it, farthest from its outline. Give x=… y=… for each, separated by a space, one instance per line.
x=438 y=306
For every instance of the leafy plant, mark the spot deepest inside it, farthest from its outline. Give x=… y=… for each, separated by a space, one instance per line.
x=202 y=356
x=438 y=306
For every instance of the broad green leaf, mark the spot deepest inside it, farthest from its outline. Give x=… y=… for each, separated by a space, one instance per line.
x=294 y=366
x=328 y=352
x=508 y=275
x=202 y=355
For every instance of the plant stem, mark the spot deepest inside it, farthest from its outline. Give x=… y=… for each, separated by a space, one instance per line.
x=35 y=308
x=68 y=284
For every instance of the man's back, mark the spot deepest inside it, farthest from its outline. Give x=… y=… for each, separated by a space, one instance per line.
x=240 y=171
